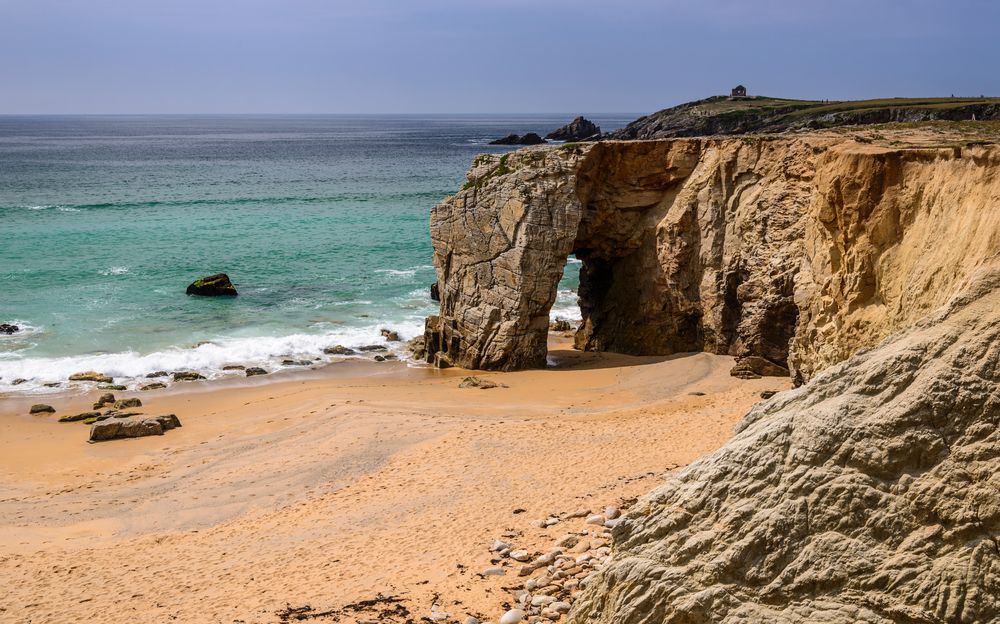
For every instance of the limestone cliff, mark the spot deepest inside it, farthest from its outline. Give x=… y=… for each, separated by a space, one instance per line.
x=785 y=252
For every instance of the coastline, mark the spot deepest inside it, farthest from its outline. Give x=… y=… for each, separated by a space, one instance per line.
x=333 y=486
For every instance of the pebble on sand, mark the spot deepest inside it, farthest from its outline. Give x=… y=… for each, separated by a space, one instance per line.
x=512 y=617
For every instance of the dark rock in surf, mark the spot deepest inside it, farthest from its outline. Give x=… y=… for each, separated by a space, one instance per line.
x=253 y=371
x=7 y=328
x=157 y=374
x=217 y=285
x=339 y=350
x=513 y=139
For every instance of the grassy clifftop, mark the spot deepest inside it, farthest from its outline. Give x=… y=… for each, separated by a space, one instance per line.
x=725 y=115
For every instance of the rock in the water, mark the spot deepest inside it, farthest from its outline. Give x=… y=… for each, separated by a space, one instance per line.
x=157 y=374
x=116 y=387
x=232 y=367
x=290 y=362
x=580 y=129
x=81 y=416
x=478 y=382
x=516 y=139
x=187 y=376
x=373 y=348
x=339 y=350
x=156 y=385
x=126 y=403
x=868 y=495
x=254 y=371
x=91 y=376
x=7 y=328
x=41 y=408
x=18 y=381
x=217 y=285
x=390 y=335
x=132 y=427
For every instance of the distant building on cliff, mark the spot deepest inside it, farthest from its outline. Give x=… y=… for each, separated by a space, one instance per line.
x=739 y=91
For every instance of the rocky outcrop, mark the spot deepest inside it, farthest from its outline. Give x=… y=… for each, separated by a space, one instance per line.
x=519 y=139
x=92 y=376
x=794 y=251
x=7 y=328
x=868 y=495
x=580 y=129
x=217 y=285
x=721 y=115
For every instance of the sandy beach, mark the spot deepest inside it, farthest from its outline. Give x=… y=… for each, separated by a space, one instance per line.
x=301 y=498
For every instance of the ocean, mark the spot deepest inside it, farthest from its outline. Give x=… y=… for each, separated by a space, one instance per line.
x=320 y=221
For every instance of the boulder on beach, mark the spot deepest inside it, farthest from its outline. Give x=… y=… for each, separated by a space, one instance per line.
x=232 y=367
x=560 y=325
x=7 y=328
x=580 y=129
x=217 y=285
x=157 y=374
x=156 y=385
x=514 y=139
x=111 y=387
x=91 y=376
x=254 y=371
x=479 y=382
x=105 y=399
x=41 y=408
x=130 y=402
x=290 y=362
x=372 y=348
x=187 y=376
x=754 y=367
x=115 y=428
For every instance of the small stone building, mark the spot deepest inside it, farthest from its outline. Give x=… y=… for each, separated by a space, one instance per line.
x=739 y=91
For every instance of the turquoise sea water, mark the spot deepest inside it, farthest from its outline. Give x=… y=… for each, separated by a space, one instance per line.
x=321 y=221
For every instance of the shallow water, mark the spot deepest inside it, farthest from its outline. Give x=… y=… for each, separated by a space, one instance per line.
x=321 y=221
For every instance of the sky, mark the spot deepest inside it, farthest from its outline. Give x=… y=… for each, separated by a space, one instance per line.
x=481 y=56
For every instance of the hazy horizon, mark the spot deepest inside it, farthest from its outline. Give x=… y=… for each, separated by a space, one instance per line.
x=450 y=57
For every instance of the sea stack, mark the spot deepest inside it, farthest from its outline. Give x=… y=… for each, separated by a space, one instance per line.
x=217 y=285
x=580 y=129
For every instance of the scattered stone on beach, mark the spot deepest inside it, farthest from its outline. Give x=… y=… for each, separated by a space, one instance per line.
x=80 y=416
x=512 y=617
x=105 y=399
x=390 y=335
x=494 y=571
x=157 y=374
x=7 y=328
x=187 y=376
x=91 y=376
x=580 y=129
x=253 y=371
x=217 y=285
x=417 y=348
x=767 y=394
x=560 y=325
x=596 y=519
x=520 y=555
x=479 y=382
x=156 y=385
x=132 y=427
x=379 y=358
x=339 y=350
x=373 y=348
x=41 y=408
x=530 y=138
x=117 y=387
x=755 y=367
x=126 y=403
x=18 y=381
x=232 y=367
x=296 y=363
x=611 y=513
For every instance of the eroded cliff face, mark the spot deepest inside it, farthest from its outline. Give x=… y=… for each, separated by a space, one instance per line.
x=871 y=494
x=788 y=253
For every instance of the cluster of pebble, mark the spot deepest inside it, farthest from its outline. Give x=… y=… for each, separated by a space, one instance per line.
x=553 y=578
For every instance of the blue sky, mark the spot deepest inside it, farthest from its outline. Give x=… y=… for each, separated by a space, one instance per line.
x=448 y=56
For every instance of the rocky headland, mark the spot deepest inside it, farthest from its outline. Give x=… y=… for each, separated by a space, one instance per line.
x=866 y=266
